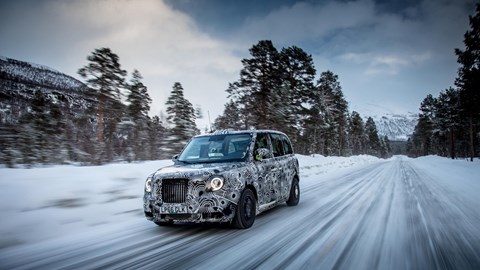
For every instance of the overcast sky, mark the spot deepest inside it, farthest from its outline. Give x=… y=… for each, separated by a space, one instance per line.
x=388 y=54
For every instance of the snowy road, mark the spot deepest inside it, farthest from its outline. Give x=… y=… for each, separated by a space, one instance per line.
x=388 y=215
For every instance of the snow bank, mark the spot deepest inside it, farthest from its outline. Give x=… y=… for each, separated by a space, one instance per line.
x=460 y=176
x=316 y=165
x=43 y=203
x=52 y=202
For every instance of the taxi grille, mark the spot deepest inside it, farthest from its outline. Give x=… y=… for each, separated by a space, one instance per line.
x=174 y=190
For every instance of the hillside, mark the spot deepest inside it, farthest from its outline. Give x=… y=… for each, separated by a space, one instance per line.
x=43 y=115
x=397 y=127
x=20 y=80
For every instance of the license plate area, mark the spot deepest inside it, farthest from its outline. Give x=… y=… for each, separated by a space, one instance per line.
x=173 y=209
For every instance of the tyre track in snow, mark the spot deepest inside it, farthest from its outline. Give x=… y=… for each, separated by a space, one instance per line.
x=388 y=215
x=333 y=248
x=445 y=229
x=295 y=240
x=96 y=252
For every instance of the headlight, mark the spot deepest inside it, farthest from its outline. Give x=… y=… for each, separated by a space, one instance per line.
x=148 y=184
x=215 y=183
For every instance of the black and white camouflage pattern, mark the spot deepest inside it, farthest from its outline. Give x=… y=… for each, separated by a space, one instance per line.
x=270 y=179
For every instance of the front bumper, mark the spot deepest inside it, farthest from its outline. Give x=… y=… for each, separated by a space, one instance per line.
x=191 y=194
x=154 y=212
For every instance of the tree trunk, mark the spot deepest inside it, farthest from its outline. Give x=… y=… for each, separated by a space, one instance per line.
x=452 y=144
x=100 y=120
x=472 y=140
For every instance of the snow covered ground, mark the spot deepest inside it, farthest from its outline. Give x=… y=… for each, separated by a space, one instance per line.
x=353 y=210
x=50 y=202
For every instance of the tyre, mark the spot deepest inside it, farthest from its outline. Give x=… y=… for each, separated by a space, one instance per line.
x=294 y=193
x=246 y=210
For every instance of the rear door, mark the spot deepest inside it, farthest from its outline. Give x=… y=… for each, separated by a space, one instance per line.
x=281 y=155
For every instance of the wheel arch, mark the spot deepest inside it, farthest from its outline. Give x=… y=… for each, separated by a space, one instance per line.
x=253 y=189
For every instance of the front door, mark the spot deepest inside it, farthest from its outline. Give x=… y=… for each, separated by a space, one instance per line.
x=267 y=170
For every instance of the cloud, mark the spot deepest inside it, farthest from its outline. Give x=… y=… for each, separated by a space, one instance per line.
x=146 y=32
x=381 y=64
x=379 y=53
x=335 y=28
x=386 y=65
x=163 y=44
x=304 y=20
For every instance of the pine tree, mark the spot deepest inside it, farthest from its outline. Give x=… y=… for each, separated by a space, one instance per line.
x=411 y=151
x=383 y=148
x=260 y=79
x=27 y=142
x=468 y=80
x=156 y=135
x=40 y=125
x=334 y=110
x=231 y=117
x=296 y=95
x=10 y=136
x=424 y=130
x=138 y=107
x=448 y=117
x=313 y=126
x=138 y=98
x=357 y=133
x=373 y=141
x=428 y=107
x=423 y=135
x=84 y=137
x=69 y=141
x=106 y=78
x=386 y=140
x=55 y=130
x=181 y=116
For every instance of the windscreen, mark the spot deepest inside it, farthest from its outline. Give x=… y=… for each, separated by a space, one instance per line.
x=216 y=148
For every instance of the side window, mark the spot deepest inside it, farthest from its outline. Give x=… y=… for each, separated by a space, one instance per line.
x=261 y=142
x=277 y=145
x=231 y=148
x=287 y=146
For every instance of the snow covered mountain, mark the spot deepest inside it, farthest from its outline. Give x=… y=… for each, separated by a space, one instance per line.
x=20 y=80
x=37 y=75
x=397 y=127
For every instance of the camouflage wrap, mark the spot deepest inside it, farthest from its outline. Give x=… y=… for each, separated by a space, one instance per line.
x=270 y=180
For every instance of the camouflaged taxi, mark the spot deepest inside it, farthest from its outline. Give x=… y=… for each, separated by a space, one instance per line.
x=228 y=176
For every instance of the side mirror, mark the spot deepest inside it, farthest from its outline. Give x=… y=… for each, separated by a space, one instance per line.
x=262 y=153
x=174 y=158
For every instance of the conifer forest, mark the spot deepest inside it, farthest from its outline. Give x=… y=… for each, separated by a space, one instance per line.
x=105 y=118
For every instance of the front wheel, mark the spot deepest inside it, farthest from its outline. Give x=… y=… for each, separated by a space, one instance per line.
x=294 y=193
x=246 y=210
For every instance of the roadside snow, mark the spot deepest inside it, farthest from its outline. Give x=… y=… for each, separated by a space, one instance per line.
x=459 y=176
x=53 y=202
x=318 y=165
x=44 y=203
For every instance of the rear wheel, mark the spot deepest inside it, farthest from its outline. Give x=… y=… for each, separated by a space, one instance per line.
x=246 y=210
x=294 y=193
